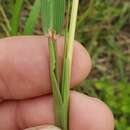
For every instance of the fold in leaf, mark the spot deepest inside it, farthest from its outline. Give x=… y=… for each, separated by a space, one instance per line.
x=55 y=84
x=52 y=15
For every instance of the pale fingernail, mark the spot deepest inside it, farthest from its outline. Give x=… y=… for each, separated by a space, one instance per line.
x=45 y=127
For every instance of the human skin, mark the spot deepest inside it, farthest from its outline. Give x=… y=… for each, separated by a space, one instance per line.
x=25 y=90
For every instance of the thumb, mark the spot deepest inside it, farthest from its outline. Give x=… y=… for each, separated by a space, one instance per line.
x=45 y=127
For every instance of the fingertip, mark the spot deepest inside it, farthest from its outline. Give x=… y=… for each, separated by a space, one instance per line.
x=89 y=113
x=86 y=113
x=81 y=64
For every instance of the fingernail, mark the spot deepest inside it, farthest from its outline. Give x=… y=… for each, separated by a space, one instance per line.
x=45 y=127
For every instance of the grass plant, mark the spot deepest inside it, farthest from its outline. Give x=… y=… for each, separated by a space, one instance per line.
x=53 y=13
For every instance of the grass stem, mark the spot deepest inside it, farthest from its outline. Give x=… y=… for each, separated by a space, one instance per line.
x=69 y=42
x=6 y=20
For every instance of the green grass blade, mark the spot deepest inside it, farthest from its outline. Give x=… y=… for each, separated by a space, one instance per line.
x=46 y=15
x=5 y=19
x=16 y=16
x=86 y=13
x=67 y=63
x=65 y=94
x=55 y=85
x=59 y=10
x=72 y=28
x=52 y=71
x=32 y=19
x=52 y=15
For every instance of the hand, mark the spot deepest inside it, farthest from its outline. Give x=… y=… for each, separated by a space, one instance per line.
x=25 y=99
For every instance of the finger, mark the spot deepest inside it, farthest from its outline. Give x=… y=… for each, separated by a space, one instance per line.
x=46 y=127
x=86 y=113
x=24 y=66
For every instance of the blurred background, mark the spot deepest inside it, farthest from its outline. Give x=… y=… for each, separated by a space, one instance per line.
x=104 y=30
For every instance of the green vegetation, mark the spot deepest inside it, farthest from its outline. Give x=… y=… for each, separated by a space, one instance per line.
x=53 y=16
x=103 y=28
